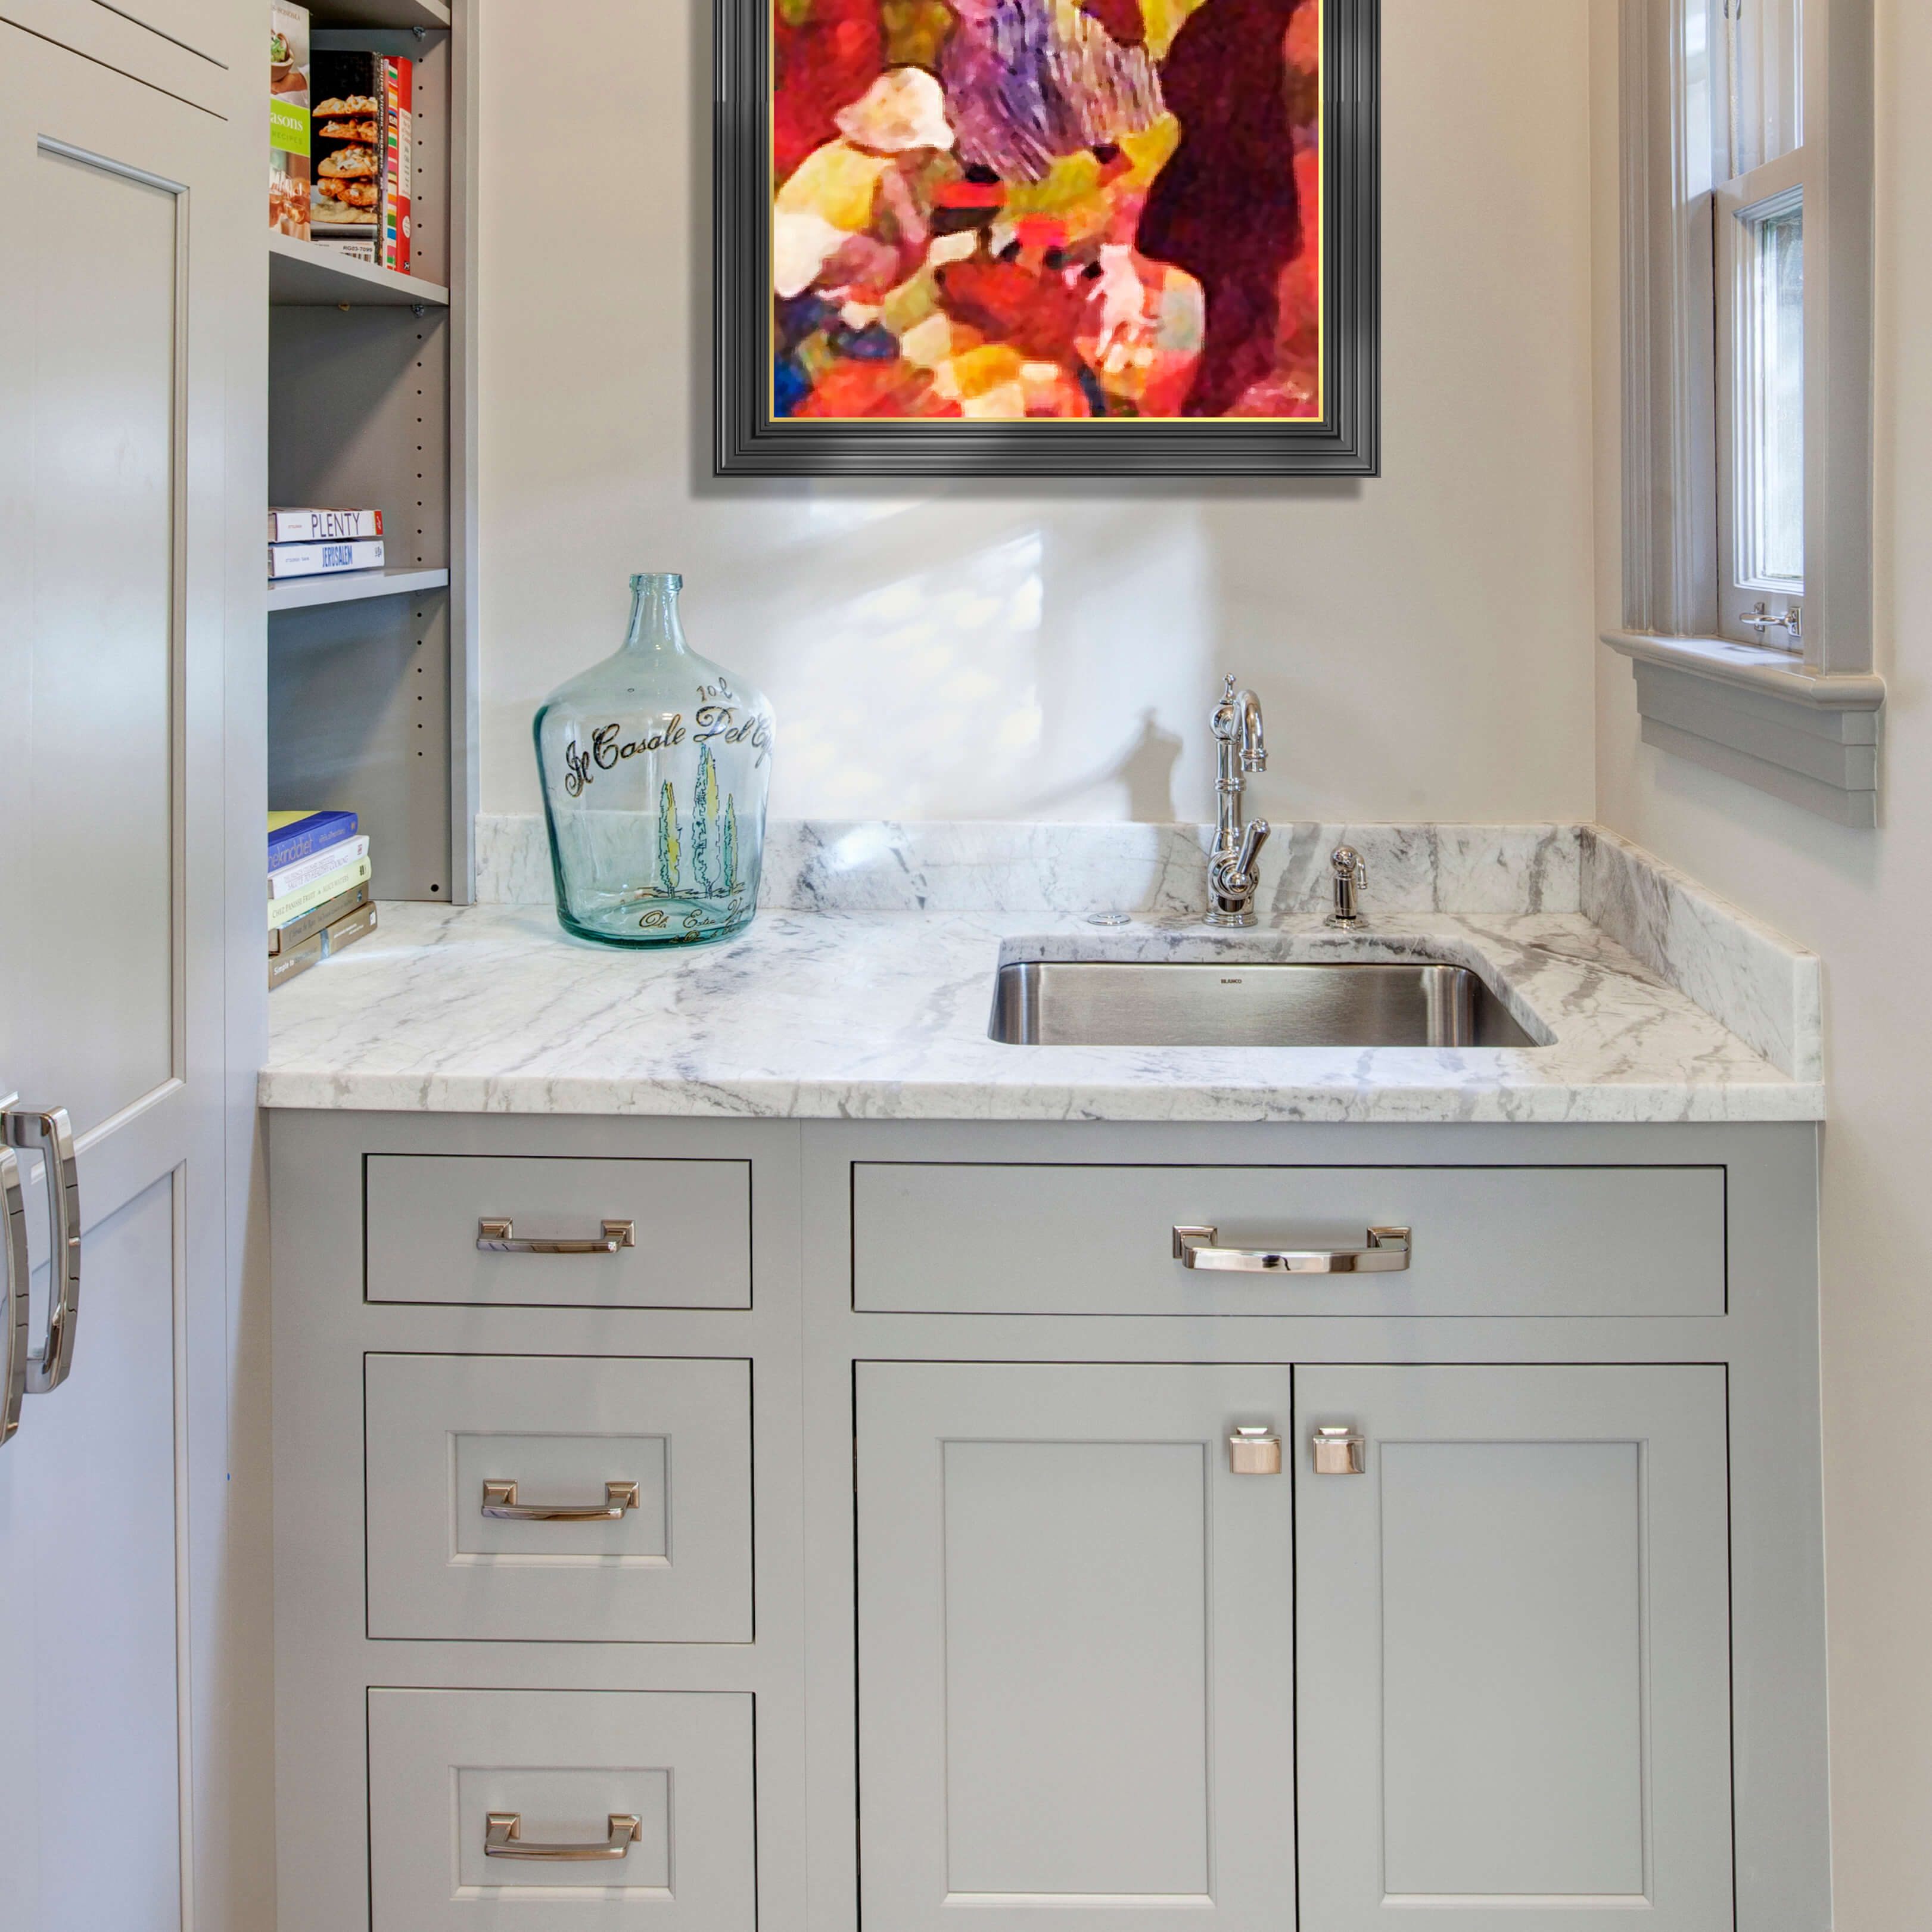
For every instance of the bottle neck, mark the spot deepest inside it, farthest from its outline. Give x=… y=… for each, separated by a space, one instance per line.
x=654 y=628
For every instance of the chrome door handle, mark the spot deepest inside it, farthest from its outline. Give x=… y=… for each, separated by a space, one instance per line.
x=1387 y=1253
x=52 y=1134
x=13 y=1310
x=499 y=1500
x=499 y=1237
x=503 y=1839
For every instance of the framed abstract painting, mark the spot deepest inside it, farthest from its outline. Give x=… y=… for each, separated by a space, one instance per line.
x=1107 y=238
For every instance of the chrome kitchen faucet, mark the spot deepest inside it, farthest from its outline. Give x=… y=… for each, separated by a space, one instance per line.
x=1239 y=747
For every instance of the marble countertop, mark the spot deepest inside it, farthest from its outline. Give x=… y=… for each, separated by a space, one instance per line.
x=882 y=1015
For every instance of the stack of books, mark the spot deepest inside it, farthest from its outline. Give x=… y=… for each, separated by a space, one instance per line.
x=319 y=897
x=339 y=169
x=313 y=543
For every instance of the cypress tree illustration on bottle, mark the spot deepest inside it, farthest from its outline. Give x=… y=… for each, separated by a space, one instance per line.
x=727 y=845
x=702 y=810
x=667 y=853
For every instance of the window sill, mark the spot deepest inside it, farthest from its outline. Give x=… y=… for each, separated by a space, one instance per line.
x=1759 y=717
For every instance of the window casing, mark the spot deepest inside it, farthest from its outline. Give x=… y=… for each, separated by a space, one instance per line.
x=1747 y=177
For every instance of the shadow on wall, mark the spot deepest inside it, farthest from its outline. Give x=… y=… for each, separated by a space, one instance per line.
x=1145 y=769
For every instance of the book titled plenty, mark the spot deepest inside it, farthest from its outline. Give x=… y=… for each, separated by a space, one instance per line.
x=323 y=526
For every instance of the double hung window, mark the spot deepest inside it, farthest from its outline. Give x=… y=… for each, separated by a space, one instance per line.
x=1747 y=177
x=1751 y=106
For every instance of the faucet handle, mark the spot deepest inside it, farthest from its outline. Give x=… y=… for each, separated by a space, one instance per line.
x=1252 y=839
x=1347 y=864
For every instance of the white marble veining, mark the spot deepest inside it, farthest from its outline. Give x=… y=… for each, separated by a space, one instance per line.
x=882 y=1015
x=827 y=866
x=1760 y=986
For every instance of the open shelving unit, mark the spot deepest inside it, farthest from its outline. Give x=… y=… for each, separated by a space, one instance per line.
x=372 y=689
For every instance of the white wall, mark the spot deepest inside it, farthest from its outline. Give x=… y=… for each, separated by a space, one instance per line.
x=1861 y=900
x=1002 y=651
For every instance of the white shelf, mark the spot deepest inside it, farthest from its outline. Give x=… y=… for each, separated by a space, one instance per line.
x=303 y=276
x=351 y=586
x=430 y=13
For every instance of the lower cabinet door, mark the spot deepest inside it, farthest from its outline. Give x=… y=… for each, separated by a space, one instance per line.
x=1075 y=1683
x=1513 y=1628
x=658 y=1783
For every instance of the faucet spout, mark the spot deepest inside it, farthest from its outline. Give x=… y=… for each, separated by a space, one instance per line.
x=1241 y=746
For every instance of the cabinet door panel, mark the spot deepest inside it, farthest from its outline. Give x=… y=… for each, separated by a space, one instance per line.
x=1513 y=1631
x=1074 y=1682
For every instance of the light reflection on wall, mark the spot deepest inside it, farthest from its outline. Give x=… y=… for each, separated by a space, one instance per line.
x=918 y=698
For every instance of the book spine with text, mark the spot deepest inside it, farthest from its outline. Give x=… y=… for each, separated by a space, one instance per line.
x=318 y=559
x=297 y=959
x=318 y=865
x=323 y=526
x=284 y=938
x=281 y=911
x=398 y=102
x=345 y=931
x=295 y=835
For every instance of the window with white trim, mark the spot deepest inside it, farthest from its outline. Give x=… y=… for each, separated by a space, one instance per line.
x=1747 y=178
x=1753 y=104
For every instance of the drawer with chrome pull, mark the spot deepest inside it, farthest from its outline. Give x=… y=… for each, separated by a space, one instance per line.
x=558 y=1231
x=576 y=1809
x=1012 y=1239
x=561 y=1498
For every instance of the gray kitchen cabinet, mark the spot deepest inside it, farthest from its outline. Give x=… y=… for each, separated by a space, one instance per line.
x=1076 y=1639
x=938 y=1516
x=1513 y=1628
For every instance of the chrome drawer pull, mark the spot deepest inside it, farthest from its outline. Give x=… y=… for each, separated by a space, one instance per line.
x=1387 y=1253
x=504 y=1839
x=14 y=1307
x=50 y=1131
x=497 y=1238
x=499 y=1500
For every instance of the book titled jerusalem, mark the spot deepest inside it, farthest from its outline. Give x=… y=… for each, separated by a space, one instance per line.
x=323 y=526
x=317 y=560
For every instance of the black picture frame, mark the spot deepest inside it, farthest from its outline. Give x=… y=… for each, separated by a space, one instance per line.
x=751 y=441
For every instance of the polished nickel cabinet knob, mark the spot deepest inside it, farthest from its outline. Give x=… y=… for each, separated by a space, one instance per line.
x=1338 y=1451
x=1255 y=1451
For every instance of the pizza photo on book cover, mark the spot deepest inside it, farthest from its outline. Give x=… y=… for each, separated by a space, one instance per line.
x=345 y=119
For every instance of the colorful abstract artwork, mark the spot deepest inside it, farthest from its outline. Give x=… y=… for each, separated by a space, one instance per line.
x=1031 y=217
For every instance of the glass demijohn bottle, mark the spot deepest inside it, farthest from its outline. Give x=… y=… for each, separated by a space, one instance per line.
x=654 y=765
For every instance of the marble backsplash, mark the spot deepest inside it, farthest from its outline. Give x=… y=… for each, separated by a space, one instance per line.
x=1156 y=870
x=1758 y=985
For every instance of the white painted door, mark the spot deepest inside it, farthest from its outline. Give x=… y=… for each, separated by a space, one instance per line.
x=1514 y=1636
x=112 y=600
x=1076 y=1637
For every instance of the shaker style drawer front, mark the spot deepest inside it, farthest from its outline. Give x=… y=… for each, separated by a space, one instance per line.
x=580 y=1810
x=559 y=1498
x=994 y=1239
x=531 y=1231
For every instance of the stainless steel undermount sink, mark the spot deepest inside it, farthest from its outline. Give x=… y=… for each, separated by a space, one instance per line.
x=1123 y=1003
